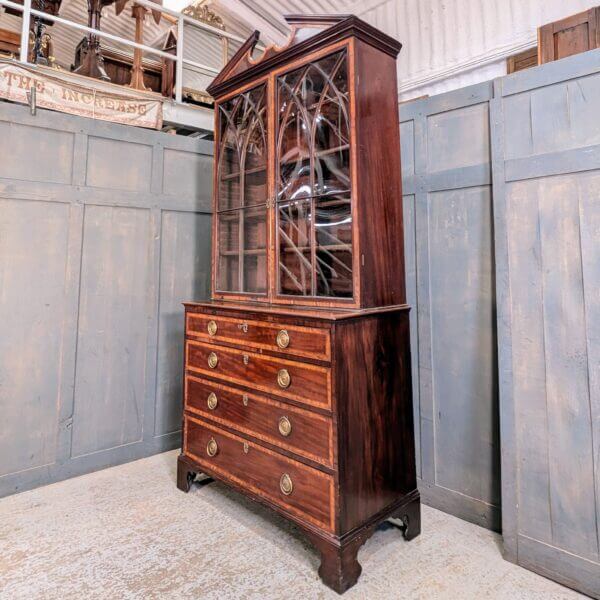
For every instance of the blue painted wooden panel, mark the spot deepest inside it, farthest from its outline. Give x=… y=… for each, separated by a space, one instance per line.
x=184 y=274
x=111 y=342
x=458 y=138
x=464 y=343
x=410 y=247
x=32 y=314
x=450 y=284
x=188 y=174
x=100 y=244
x=52 y=162
x=547 y=221
x=118 y=164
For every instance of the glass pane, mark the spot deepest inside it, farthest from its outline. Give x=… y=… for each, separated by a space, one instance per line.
x=247 y=227
x=295 y=179
x=243 y=148
x=255 y=250
x=255 y=147
x=313 y=139
x=255 y=187
x=293 y=143
x=333 y=237
x=331 y=125
x=332 y=172
x=294 y=240
x=255 y=273
x=228 y=241
x=229 y=192
x=229 y=158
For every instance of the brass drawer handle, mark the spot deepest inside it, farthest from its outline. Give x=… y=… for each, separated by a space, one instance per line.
x=245 y=399
x=246 y=448
x=243 y=327
x=246 y=359
x=212 y=327
x=285 y=484
x=283 y=339
x=283 y=379
x=211 y=447
x=285 y=426
x=212 y=360
x=212 y=401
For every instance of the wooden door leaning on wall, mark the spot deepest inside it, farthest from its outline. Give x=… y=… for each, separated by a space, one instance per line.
x=577 y=33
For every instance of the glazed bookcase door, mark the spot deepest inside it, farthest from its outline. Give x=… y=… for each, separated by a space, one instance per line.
x=242 y=193
x=313 y=192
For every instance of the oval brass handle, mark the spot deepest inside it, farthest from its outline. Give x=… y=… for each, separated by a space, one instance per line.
x=243 y=327
x=211 y=447
x=212 y=401
x=245 y=399
x=212 y=327
x=212 y=360
x=283 y=378
x=285 y=426
x=285 y=484
x=283 y=339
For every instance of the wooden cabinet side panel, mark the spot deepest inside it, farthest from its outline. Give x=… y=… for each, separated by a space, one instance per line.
x=376 y=452
x=379 y=225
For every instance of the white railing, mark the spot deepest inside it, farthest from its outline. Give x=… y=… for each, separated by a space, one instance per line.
x=178 y=58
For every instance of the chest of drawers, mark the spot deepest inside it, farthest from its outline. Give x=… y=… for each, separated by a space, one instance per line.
x=297 y=373
x=308 y=411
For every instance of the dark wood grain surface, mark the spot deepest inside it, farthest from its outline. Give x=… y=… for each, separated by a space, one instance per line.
x=311 y=434
x=380 y=225
x=260 y=470
x=310 y=384
x=375 y=416
x=298 y=315
x=309 y=342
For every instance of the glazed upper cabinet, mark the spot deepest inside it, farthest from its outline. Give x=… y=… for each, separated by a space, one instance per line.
x=299 y=219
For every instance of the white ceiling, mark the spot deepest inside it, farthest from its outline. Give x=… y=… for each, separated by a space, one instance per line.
x=267 y=15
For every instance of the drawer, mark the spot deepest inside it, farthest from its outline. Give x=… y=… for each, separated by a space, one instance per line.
x=309 y=342
x=302 y=382
x=302 y=491
x=297 y=430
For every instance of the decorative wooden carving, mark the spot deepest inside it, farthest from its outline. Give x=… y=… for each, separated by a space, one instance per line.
x=297 y=373
x=168 y=66
x=88 y=54
x=40 y=43
x=201 y=12
x=577 y=33
x=52 y=7
x=118 y=67
x=137 y=71
x=10 y=42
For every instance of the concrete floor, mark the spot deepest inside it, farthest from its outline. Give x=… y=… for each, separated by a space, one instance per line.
x=127 y=532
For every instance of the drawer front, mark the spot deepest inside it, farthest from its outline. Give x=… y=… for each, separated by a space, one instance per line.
x=288 y=339
x=263 y=472
x=294 y=429
x=302 y=382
